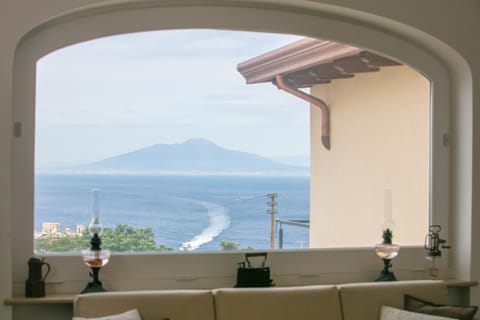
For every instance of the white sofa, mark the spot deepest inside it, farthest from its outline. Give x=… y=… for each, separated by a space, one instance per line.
x=356 y=301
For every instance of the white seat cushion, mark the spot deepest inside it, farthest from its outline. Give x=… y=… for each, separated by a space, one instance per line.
x=389 y=313
x=128 y=315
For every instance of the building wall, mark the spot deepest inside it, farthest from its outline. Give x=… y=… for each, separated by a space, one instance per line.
x=378 y=165
x=404 y=29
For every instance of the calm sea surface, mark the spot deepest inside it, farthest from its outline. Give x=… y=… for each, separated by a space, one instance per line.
x=198 y=210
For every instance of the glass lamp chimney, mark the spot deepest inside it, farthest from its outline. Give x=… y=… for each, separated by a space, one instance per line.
x=95 y=227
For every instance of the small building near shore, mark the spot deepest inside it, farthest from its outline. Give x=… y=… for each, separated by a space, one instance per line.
x=51 y=229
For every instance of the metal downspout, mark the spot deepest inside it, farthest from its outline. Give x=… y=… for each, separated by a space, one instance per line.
x=279 y=81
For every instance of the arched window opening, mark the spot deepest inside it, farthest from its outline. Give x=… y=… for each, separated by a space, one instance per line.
x=190 y=158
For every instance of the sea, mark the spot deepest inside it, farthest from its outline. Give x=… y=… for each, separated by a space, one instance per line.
x=193 y=213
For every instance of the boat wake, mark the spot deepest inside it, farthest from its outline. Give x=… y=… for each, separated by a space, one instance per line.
x=219 y=221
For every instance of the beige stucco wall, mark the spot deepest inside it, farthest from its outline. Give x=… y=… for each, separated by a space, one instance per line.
x=379 y=149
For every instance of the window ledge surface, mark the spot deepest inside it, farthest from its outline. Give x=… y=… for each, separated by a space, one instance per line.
x=63 y=298
x=457 y=283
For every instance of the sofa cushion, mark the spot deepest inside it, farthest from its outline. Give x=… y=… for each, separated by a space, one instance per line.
x=458 y=312
x=389 y=313
x=152 y=305
x=287 y=303
x=362 y=301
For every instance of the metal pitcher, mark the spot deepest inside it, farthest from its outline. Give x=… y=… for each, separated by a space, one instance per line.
x=35 y=284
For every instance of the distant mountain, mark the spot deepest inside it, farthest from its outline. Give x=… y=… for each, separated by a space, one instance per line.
x=301 y=160
x=195 y=156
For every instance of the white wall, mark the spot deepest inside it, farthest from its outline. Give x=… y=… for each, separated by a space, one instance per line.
x=407 y=29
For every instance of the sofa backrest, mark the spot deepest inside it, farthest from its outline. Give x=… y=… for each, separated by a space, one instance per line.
x=152 y=305
x=286 y=303
x=362 y=301
x=356 y=301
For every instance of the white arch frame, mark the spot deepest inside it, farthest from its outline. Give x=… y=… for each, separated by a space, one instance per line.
x=437 y=61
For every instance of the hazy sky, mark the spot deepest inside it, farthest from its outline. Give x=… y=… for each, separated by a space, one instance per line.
x=117 y=94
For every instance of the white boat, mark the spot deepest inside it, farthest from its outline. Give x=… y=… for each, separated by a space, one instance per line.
x=186 y=246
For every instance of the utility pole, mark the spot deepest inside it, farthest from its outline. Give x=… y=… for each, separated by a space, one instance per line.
x=272 y=203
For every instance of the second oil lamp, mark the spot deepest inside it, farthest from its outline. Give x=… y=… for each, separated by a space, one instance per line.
x=387 y=251
x=95 y=257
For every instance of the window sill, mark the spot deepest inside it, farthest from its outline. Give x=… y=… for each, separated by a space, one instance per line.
x=67 y=298
x=457 y=283
x=64 y=298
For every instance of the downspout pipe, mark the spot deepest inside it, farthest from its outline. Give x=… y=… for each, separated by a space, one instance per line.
x=281 y=84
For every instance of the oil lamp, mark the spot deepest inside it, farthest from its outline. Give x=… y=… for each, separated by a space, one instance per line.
x=387 y=251
x=95 y=257
x=433 y=243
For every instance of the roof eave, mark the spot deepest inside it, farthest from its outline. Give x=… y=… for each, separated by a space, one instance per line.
x=296 y=56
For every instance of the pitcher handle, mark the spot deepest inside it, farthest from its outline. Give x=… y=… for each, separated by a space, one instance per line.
x=48 y=270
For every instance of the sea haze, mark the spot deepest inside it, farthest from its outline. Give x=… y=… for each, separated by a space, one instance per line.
x=199 y=210
x=192 y=157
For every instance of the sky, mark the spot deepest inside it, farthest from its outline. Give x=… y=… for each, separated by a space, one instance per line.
x=113 y=95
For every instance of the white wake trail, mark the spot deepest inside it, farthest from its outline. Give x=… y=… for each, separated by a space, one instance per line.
x=219 y=221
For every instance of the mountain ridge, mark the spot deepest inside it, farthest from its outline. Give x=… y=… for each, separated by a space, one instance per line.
x=193 y=156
